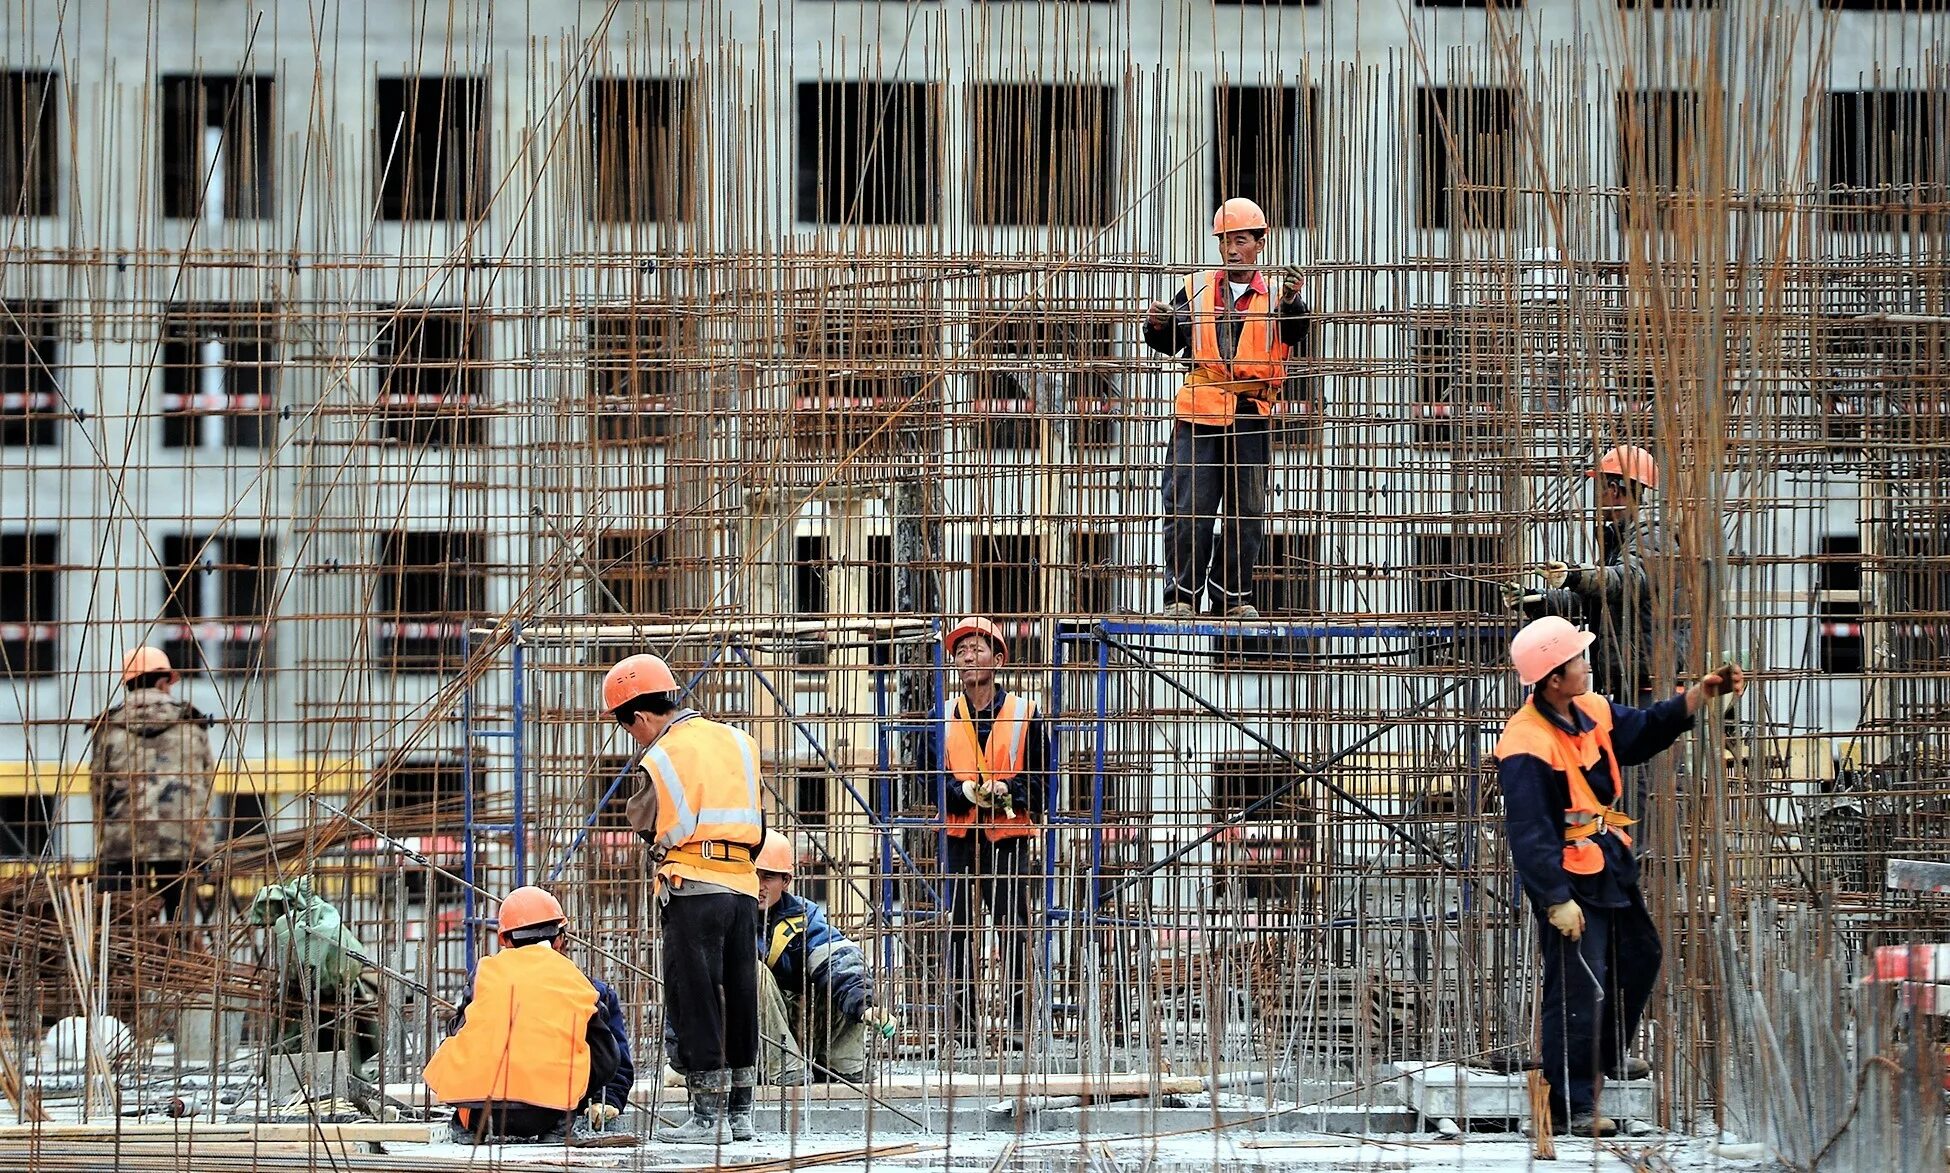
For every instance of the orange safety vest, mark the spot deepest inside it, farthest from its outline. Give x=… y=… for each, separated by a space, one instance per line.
x=709 y=826
x=998 y=761
x=1530 y=732
x=1210 y=394
x=525 y=1037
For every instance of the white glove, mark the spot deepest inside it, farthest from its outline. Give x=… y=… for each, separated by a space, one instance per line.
x=1556 y=574
x=599 y=1114
x=1512 y=596
x=974 y=793
x=883 y=1020
x=1568 y=918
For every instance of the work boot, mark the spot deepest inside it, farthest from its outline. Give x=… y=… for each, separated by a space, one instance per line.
x=1630 y=1067
x=1179 y=610
x=797 y=1077
x=1243 y=611
x=709 y=1092
x=739 y=1105
x=1591 y=1124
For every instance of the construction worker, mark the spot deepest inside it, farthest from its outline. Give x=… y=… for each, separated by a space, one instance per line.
x=533 y=1045
x=150 y=771
x=1559 y=763
x=813 y=977
x=1238 y=340
x=1617 y=597
x=325 y=976
x=994 y=778
x=698 y=810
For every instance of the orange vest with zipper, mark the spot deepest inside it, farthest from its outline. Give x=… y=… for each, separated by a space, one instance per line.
x=1530 y=732
x=998 y=761
x=709 y=826
x=1211 y=393
x=525 y=1036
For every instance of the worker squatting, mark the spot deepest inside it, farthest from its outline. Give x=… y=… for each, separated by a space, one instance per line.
x=539 y=1050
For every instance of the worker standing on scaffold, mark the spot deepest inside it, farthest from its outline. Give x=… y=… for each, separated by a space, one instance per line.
x=996 y=761
x=699 y=811
x=1558 y=764
x=1226 y=322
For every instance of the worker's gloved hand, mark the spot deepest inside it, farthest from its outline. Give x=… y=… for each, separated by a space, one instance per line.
x=1557 y=574
x=1568 y=918
x=996 y=788
x=883 y=1020
x=1157 y=315
x=978 y=794
x=598 y=1114
x=1512 y=596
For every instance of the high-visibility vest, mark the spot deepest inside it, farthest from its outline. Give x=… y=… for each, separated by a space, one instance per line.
x=998 y=761
x=525 y=1037
x=1257 y=371
x=1530 y=732
x=709 y=826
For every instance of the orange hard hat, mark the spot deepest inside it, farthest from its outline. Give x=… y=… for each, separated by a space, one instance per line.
x=527 y=907
x=776 y=855
x=636 y=676
x=1238 y=214
x=1634 y=464
x=976 y=625
x=145 y=660
x=1546 y=644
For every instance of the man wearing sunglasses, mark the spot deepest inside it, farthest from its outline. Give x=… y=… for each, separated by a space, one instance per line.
x=698 y=810
x=1619 y=599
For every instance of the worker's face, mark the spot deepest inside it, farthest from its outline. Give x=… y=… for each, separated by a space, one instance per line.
x=1573 y=680
x=977 y=658
x=771 y=886
x=1240 y=250
x=1616 y=501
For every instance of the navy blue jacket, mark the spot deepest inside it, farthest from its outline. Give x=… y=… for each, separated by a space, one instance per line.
x=1027 y=790
x=795 y=931
x=609 y=1010
x=1535 y=798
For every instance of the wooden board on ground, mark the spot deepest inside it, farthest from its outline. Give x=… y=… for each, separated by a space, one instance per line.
x=188 y=1131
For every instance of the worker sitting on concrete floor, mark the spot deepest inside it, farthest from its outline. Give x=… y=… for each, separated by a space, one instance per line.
x=324 y=971
x=1238 y=341
x=1559 y=763
x=995 y=784
x=1618 y=598
x=533 y=1044
x=698 y=810
x=810 y=977
x=150 y=771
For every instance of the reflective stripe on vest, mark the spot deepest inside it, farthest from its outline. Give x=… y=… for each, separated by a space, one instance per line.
x=1530 y=732
x=706 y=775
x=1257 y=369
x=524 y=1039
x=999 y=760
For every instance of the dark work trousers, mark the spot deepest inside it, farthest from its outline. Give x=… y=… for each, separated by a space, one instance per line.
x=711 y=980
x=527 y=1120
x=1215 y=473
x=1581 y=1036
x=996 y=874
x=166 y=880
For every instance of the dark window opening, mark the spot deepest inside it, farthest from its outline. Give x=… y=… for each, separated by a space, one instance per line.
x=1041 y=367
x=641 y=149
x=1658 y=153
x=1093 y=571
x=430 y=377
x=632 y=383
x=883 y=592
x=868 y=153
x=431 y=148
x=1286 y=585
x=1266 y=140
x=30 y=604
x=431 y=585
x=1463 y=380
x=30 y=359
x=219 y=376
x=855 y=369
x=813 y=796
x=1299 y=418
x=811 y=591
x=1918 y=575
x=634 y=574
x=218 y=595
x=1455 y=576
x=1838 y=602
x=1008 y=588
x=216 y=146
x=1467 y=137
x=1885 y=161
x=30 y=143
x=1266 y=855
x=248 y=815
x=26 y=825
x=1042 y=154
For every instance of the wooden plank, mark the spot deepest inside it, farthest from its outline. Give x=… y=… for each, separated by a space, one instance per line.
x=192 y=1131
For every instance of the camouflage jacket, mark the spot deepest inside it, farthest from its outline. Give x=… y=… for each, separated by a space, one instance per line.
x=150 y=770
